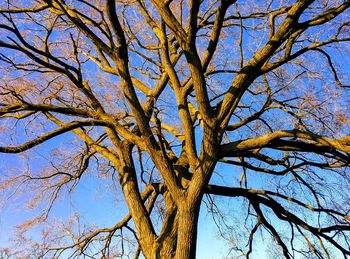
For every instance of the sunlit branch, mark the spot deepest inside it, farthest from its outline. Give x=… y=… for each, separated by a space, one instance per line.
x=25 y=10
x=273 y=139
x=66 y=128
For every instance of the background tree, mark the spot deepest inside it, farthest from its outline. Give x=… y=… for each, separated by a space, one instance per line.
x=178 y=101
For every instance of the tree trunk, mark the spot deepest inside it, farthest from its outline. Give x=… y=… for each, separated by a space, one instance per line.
x=179 y=237
x=187 y=231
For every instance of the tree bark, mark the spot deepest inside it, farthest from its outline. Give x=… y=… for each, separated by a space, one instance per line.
x=187 y=231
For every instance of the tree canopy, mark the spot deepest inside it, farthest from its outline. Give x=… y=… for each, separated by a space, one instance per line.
x=173 y=105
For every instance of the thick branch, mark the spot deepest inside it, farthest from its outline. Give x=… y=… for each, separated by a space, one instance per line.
x=66 y=128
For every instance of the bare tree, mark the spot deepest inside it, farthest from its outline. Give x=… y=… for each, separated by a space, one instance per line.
x=180 y=102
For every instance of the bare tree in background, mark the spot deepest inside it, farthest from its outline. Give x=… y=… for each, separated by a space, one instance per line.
x=179 y=102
